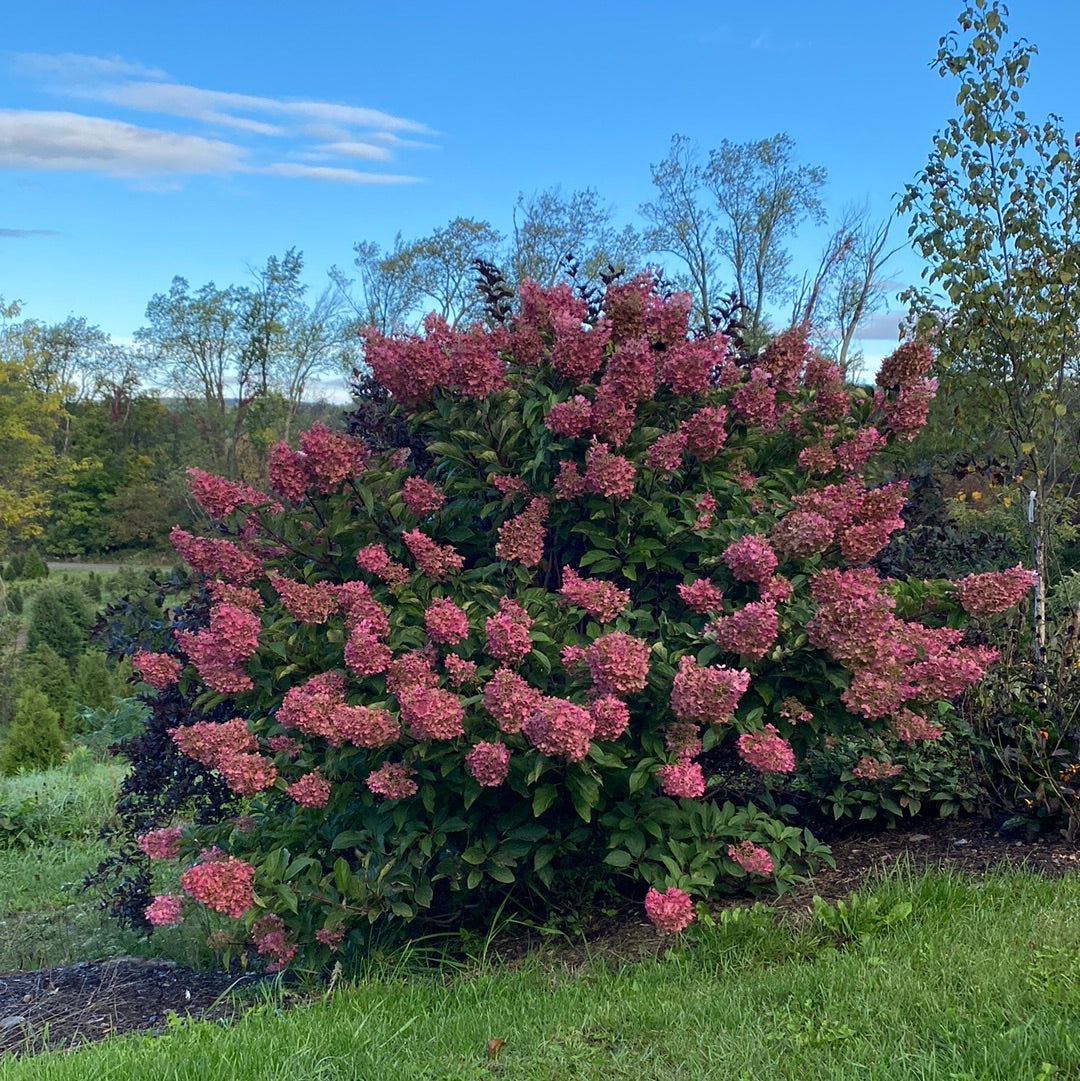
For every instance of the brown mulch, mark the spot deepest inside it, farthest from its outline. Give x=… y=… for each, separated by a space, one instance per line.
x=64 y=1007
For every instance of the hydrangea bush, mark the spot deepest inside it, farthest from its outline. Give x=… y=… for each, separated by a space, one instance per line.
x=632 y=553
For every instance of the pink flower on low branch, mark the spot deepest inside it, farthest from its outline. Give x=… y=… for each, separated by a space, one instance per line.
x=392 y=781
x=559 y=728
x=912 y=727
x=767 y=751
x=307 y=603
x=488 y=764
x=207 y=742
x=507 y=632
x=801 y=533
x=162 y=844
x=247 y=774
x=364 y=654
x=751 y=559
x=998 y=591
x=706 y=508
x=361 y=608
x=459 y=672
x=431 y=713
x=683 y=739
x=682 y=780
x=375 y=559
x=220 y=497
x=221 y=650
x=269 y=939
x=160 y=670
x=522 y=537
x=869 y=768
x=223 y=884
x=311 y=790
x=608 y=474
x=446 y=623
x=437 y=561
x=752 y=858
x=708 y=694
x=671 y=911
x=216 y=558
x=421 y=497
x=509 y=484
x=618 y=663
x=603 y=600
x=165 y=910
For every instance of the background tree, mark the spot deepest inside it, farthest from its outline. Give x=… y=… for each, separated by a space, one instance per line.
x=388 y=289
x=995 y=213
x=682 y=224
x=762 y=195
x=549 y=227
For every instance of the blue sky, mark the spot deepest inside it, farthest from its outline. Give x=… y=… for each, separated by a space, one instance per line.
x=142 y=140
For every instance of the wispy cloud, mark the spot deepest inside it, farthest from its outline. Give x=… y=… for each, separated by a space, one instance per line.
x=882 y=327
x=241 y=132
x=15 y=234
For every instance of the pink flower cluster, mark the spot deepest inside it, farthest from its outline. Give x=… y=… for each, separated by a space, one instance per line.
x=165 y=910
x=629 y=378
x=509 y=484
x=570 y=418
x=459 y=672
x=705 y=431
x=749 y=631
x=437 y=561
x=392 y=781
x=800 y=534
x=754 y=403
x=332 y=457
x=608 y=474
x=269 y=938
x=767 y=751
x=706 y=510
x=701 y=595
x=221 y=650
x=601 y=599
x=687 y=366
x=559 y=728
x=510 y=700
x=522 y=537
x=288 y=472
x=431 y=712
x=229 y=748
x=311 y=790
x=317 y=707
x=507 y=632
x=988 y=594
x=751 y=559
x=683 y=739
x=220 y=497
x=568 y=483
x=784 y=356
x=577 y=351
x=611 y=717
x=869 y=768
x=683 y=779
x=636 y=310
x=618 y=663
x=752 y=858
x=216 y=558
x=223 y=883
x=671 y=911
x=421 y=497
x=331 y=937
x=308 y=604
x=409 y=367
x=665 y=452
x=905 y=366
x=708 y=694
x=488 y=764
x=375 y=559
x=160 y=670
x=162 y=844
x=905 y=415
x=912 y=727
x=445 y=622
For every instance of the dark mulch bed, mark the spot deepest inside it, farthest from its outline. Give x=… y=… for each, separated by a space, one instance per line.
x=64 y=1007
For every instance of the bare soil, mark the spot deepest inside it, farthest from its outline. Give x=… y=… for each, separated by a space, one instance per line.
x=91 y=1000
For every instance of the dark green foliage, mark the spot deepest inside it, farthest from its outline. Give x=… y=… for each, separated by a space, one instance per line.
x=33 y=740
x=44 y=670
x=938 y=778
x=15 y=601
x=14 y=568
x=34 y=567
x=59 y=618
x=91 y=586
x=104 y=730
x=96 y=684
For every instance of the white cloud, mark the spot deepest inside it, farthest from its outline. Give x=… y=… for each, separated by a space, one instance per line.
x=71 y=141
x=884 y=327
x=307 y=130
x=333 y=173
x=11 y=234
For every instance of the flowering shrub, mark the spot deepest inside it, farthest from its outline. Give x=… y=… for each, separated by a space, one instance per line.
x=618 y=565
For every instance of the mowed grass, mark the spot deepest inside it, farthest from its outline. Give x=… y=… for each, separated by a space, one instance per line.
x=980 y=982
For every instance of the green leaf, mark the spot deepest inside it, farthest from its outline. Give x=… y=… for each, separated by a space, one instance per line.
x=544 y=796
x=501 y=874
x=618 y=858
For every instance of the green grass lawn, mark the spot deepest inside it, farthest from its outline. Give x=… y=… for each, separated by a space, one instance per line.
x=979 y=982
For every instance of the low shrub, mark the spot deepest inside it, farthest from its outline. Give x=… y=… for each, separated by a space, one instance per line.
x=33 y=740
